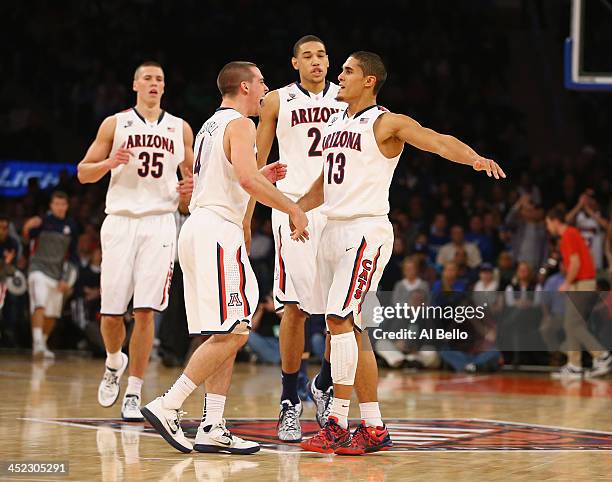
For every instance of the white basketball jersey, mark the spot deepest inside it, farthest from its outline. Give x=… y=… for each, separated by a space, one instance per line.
x=215 y=184
x=147 y=183
x=357 y=175
x=302 y=116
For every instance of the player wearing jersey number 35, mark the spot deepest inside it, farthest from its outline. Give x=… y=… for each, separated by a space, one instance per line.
x=361 y=147
x=142 y=148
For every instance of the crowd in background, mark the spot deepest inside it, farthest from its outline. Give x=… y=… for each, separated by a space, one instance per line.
x=454 y=229
x=459 y=240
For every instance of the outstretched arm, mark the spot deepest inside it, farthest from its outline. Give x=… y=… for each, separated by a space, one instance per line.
x=394 y=128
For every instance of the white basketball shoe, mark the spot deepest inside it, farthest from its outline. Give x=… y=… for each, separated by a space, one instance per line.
x=108 y=390
x=217 y=438
x=167 y=422
x=130 y=408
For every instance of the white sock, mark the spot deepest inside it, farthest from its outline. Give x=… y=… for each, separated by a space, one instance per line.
x=603 y=355
x=370 y=414
x=182 y=388
x=134 y=386
x=213 y=409
x=37 y=337
x=114 y=360
x=340 y=410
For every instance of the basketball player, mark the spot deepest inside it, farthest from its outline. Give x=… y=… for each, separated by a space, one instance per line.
x=53 y=268
x=361 y=148
x=142 y=148
x=297 y=114
x=221 y=291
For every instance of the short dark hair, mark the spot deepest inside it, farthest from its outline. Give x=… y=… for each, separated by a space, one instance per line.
x=372 y=64
x=147 y=63
x=59 y=195
x=303 y=40
x=230 y=76
x=557 y=213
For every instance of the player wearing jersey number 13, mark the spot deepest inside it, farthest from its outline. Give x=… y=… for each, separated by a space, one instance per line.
x=362 y=147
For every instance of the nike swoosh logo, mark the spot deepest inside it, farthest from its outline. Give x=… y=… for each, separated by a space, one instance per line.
x=348 y=249
x=165 y=245
x=226 y=444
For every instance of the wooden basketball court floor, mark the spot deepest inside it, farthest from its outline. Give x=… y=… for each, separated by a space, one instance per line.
x=505 y=426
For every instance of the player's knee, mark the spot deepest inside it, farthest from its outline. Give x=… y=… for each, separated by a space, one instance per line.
x=293 y=314
x=232 y=341
x=237 y=341
x=112 y=321
x=339 y=325
x=144 y=316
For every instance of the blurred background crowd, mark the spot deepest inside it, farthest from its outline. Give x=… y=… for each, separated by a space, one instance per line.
x=488 y=72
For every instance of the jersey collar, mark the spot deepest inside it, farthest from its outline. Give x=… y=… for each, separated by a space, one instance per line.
x=358 y=113
x=308 y=93
x=141 y=117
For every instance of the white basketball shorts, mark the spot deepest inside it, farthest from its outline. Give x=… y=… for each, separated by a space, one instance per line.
x=44 y=294
x=295 y=262
x=221 y=292
x=137 y=260
x=351 y=259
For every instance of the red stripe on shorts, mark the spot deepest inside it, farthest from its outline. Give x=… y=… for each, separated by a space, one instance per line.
x=356 y=265
x=167 y=283
x=365 y=291
x=221 y=281
x=247 y=308
x=282 y=279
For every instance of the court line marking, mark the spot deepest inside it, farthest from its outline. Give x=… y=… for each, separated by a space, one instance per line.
x=296 y=450
x=140 y=433
x=554 y=427
x=51 y=378
x=463 y=380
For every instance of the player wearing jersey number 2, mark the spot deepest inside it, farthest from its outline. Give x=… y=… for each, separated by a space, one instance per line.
x=297 y=114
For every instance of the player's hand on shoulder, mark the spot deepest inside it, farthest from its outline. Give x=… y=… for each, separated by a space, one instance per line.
x=274 y=172
x=490 y=166
x=298 y=223
x=121 y=156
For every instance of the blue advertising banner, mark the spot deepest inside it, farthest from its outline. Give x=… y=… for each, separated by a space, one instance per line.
x=14 y=175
